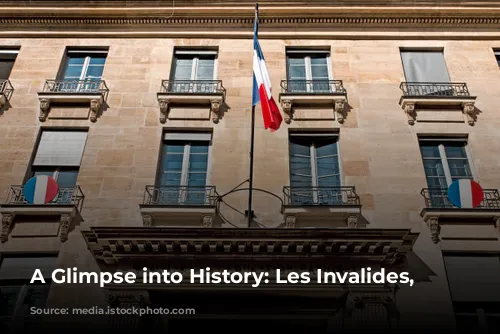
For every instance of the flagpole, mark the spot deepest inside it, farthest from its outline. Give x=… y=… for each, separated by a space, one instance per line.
x=252 y=136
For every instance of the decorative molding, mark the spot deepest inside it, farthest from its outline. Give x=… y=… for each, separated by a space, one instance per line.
x=339 y=109
x=207 y=221
x=7 y=220
x=215 y=110
x=290 y=221
x=433 y=225
x=95 y=108
x=352 y=221
x=163 y=109
x=44 y=109
x=65 y=224
x=147 y=220
x=468 y=110
x=409 y=109
x=286 y=105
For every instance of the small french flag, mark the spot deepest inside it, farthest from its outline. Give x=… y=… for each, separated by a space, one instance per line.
x=465 y=193
x=40 y=189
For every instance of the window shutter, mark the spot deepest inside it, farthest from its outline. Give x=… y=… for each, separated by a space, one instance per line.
x=473 y=278
x=188 y=136
x=60 y=148
x=24 y=267
x=424 y=66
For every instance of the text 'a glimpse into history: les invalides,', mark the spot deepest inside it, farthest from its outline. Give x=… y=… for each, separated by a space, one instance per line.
x=208 y=276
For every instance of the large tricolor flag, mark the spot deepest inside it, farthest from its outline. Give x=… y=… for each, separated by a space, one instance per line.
x=262 y=85
x=465 y=193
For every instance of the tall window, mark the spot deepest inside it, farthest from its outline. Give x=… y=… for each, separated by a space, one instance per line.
x=308 y=71
x=427 y=68
x=314 y=169
x=7 y=59
x=58 y=155
x=82 y=70
x=183 y=168
x=497 y=56
x=194 y=71
x=17 y=296
x=475 y=292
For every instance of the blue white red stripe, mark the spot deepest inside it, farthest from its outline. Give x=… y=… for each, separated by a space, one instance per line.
x=262 y=85
x=465 y=193
x=40 y=189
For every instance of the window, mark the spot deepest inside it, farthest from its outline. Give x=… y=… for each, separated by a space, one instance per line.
x=82 y=65
x=191 y=65
x=58 y=155
x=17 y=296
x=497 y=56
x=314 y=169
x=429 y=69
x=183 y=168
x=475 y=292
x=309 y=71
x=7 y=59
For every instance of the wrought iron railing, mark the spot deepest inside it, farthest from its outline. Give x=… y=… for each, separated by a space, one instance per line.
x=192 y=87
x=95 y=86
x=180 y=195
x=298 y=196
x=431 y=89
x=6 y=89
x=72 y=195
x=438 y=198
x=312 y=87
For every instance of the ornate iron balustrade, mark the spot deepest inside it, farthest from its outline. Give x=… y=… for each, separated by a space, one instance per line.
x=95 y=86
x=180 y=195
x=192 y=87
x=438 y=198
x=312 y=87
x=328 y=196
x=64 y=196
x=433 y=89
x=6 y=89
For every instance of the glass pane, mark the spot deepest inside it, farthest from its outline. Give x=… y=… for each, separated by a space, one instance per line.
x=172 y=162
x=318 y=60
x=94 y=72
x=329 y=181
x=35 y=296
x=433 y=167
x=8 y=299
x=183 y=69
x=199 y=147
x=76 y=60
x=459 y=169
x=171 y=179
x=198 y=162
x=73 y=72
x=300 y=146
x=300 y=181
x=297 y=73
x=98 y=60
x=300 y=165
x=327 y=166
x=67 y=179
x=319 y=72
x=455 y=151
x=326 y=146
x=48 y=173
x=205 y=69
x=175 y=148
x=429 y=151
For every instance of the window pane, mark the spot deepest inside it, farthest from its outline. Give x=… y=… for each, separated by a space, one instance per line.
x=459 y=169
x=430 y=151
x=67 y=179
x=318 y=60
x=329 y=181
x=205 y=69
x=8 y=299
x=98 y=60
x=183 y=69
x=455 y=151
x=73 y=72
x=94 y=72
x=35 y=296
x=76 y=60
x=198 y=162
x=173 y=162
x=197 y=147
x=327 y=166
x=325 y=147
x=171 y=179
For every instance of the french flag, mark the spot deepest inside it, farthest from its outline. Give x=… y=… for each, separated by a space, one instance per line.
x=262 y=85
x=40 y=189
x=465 y=193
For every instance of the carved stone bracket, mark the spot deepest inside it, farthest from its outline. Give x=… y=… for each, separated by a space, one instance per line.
x=352 y=221
x=147 y=220
x=215 y=110
x=163 y=109
x=286 y=105
x=95 y=108
x=3 y=101
x=140 y=298
x=44 y=109
x=65 y=224
x=339 y=110
x=410 y=112
x=468 y=110
x=290 y=221
x=359 y=302
x=433 y=225
x=7 y=220
x=207 y=221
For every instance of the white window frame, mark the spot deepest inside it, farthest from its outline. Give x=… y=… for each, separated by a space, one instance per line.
x=194 y=64
x=444 y=158
x=313 y=159
x=86 y=62
x=307 y=64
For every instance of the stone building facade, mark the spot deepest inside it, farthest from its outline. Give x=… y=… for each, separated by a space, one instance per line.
x=141 y=111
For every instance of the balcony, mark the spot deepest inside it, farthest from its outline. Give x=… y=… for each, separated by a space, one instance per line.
x=439 y=210
x=420 y=96
x=6 y=91
x=313 y=92
x=191 y=92
x=180 y=206
x=92 y=92
x=66 y=207
x=322 y=207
